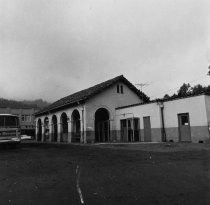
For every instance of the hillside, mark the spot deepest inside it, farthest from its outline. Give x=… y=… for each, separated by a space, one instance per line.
x=39 y=104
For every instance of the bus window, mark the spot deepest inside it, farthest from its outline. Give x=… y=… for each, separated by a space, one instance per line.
x=10 y=121
x=9 y=129
x=1 y=121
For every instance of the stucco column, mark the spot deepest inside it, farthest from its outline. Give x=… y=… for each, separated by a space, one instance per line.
x=82 y=127
x=42 y=132
x=81 y=131
x=69 y=131
x=59 y=132
x=50 y=132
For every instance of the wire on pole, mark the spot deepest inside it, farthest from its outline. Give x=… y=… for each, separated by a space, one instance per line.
x=141 y=88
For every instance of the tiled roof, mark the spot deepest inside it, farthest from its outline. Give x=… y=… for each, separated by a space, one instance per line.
x=85 y=94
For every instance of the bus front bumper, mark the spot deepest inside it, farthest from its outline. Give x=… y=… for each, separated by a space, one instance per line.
x=10 y=141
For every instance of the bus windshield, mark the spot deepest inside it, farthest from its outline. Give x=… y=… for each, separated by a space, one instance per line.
x=9 y=121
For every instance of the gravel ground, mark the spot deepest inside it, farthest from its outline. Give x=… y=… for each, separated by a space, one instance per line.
x=105 y=174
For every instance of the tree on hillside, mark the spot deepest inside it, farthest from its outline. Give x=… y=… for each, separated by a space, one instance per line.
x=198 y=89
x=184 y=90
x=39 y=104
x=166 y=96
x=207 y=89
x=209 y=70
x=12 y=104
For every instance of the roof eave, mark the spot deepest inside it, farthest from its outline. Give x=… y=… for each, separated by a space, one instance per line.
x=68 y=105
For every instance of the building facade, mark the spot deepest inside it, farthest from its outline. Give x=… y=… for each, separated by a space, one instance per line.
x=179 y=120
x=26 y=118
x=116 y=111
x=87 y=116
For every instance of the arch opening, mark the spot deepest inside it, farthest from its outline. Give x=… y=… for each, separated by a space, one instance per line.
x=54 y=129
x=102 y=125
x=76 y=126
x=64 y=127
x=39 y=132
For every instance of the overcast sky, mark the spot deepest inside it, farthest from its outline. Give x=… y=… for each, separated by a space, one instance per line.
x=52 y=48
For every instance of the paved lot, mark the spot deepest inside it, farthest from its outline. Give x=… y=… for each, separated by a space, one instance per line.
x=106 y=174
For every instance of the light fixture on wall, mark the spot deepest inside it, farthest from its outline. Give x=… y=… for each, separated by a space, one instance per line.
x=160 y=103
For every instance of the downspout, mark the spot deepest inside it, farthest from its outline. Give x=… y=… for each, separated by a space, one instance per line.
x=163 y=124
x=163 y=131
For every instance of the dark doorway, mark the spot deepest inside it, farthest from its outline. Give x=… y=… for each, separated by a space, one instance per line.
x=123 y=130
x=130 y=130
x=184 y=127
x=54 y=129
x=39 y=132
x=136 y=129
x=147 y=129
x=102 y=125
x=64 y=128
x=76 y=126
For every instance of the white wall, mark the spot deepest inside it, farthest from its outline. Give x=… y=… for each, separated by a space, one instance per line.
x=109 y=99
x=198 y=108
x=195 y=106
x=207 y=101
x=140 y=111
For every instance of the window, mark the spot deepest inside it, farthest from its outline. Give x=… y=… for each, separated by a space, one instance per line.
x=118 y=89
x=129 y=123
x=123 y=123
x=184 y=120
x=27 y=118
x=1 y=121
x=121 y=89
x=11 y=121
x=136 y=123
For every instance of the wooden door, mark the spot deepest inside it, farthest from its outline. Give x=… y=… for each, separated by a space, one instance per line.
x=184 y=127
x=147 y=129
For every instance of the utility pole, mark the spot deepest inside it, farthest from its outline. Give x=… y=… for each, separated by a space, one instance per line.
x=141 y=88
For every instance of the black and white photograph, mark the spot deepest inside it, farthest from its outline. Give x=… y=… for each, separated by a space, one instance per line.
x=104 y=102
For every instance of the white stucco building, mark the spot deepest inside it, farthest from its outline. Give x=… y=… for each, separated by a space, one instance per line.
x=88 y=115
x=178 y=120
x=115 y=110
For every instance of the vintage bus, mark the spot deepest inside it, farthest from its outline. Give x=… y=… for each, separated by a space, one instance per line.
x=9 y=129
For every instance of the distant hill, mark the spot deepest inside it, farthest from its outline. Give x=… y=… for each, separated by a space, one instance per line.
x=39 y=104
